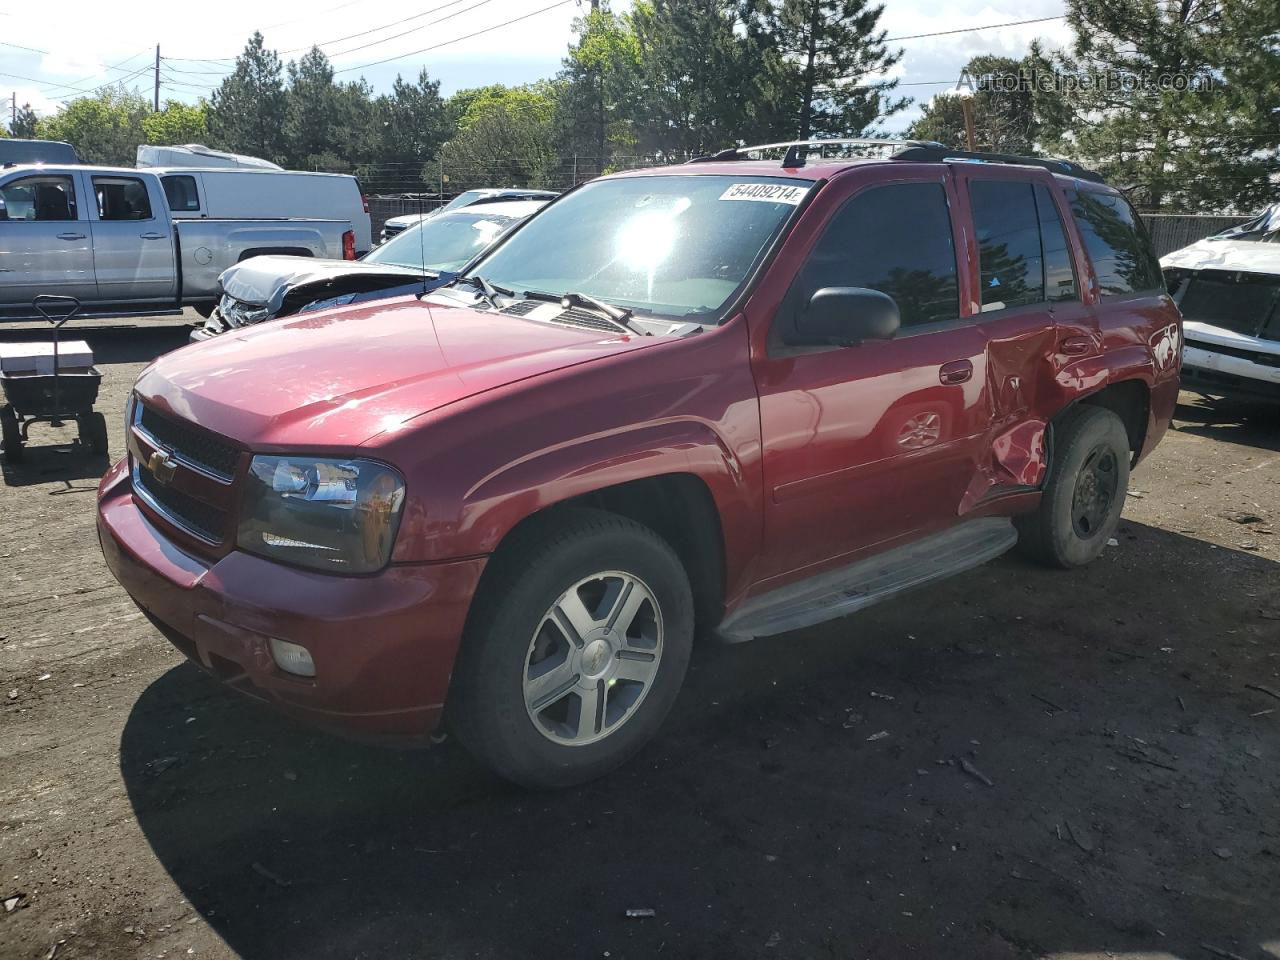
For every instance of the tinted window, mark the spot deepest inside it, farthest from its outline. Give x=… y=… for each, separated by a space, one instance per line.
x=122 y=198
x=38 y=198
x=895 y=239
x=1117 y=243
x=181 y=193
x=1059 y=275
x=1010 y=265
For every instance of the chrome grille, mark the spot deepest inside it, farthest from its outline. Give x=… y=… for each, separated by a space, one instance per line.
x=191 y=444
x=195 y=516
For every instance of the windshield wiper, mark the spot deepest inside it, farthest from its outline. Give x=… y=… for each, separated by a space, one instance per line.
x=486 y=289
x=619 y=315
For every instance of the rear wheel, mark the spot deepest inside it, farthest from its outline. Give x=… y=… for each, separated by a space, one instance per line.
x=10 y=435
x=1082 y=501
x=575 y=652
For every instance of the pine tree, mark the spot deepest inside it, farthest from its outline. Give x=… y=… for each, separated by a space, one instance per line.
x=311 y=112
x=1004 y=121
x=1210 y=148
x=25 y=124
x=830 y=52
x=248 y=109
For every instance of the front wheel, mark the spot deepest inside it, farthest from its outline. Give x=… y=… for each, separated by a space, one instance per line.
x=576 y=649
x=1082 y=500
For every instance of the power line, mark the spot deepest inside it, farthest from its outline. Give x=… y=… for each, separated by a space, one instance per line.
x=445 y=43
x=6 y=43
x=990 y=26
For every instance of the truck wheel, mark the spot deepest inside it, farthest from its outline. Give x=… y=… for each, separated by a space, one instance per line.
x=576 y=648
x=1082 y=501
x=93 y=433
x=10 y=435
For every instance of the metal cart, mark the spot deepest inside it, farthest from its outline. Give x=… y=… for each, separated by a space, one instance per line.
x=51 y=398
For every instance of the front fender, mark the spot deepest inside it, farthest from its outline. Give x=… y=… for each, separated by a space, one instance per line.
x=478 y=468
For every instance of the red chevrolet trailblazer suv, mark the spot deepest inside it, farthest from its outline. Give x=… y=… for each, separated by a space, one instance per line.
x=738 y=396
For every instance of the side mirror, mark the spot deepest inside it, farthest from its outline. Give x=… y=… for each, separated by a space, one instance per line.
x=844 y=316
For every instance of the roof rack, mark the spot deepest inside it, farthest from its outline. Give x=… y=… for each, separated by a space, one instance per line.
x=920 y=151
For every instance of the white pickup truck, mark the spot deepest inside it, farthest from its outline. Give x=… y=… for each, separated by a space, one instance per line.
x=107 y=237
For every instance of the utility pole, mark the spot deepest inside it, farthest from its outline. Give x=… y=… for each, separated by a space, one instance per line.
x=13 y=112
x=157 y=104
x=966 y=107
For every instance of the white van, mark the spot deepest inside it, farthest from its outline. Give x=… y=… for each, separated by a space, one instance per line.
x=267 y=195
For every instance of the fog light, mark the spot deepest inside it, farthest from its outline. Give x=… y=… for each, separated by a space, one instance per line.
x=292 y=658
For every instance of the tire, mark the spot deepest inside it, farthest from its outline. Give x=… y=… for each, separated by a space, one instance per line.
x=1090 y=456
x=204 y=309
x=10 y=435
x=522 y=693
x=93 y=433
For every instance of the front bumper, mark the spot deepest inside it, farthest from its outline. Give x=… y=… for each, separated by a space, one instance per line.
x=1220 y=374
x=383 y=645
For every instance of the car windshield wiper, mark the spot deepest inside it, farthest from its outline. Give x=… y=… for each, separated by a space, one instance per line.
x=486 y=289
x=619 y=315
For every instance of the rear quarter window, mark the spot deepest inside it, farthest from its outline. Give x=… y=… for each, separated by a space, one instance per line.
x=181 y=193
x=1117 y=243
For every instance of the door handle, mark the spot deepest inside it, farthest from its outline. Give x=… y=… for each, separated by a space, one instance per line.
x=957 y=371
x=153 y=236
x=71 y=236
x=1076 y=346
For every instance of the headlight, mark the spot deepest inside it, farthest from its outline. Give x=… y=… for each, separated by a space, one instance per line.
x=239 y=314
x=334 y=515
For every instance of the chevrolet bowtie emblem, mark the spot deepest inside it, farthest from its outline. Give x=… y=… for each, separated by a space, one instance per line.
x=162 y=466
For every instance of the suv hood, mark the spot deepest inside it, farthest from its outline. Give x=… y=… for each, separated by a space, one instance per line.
x=341 y=377
x=1213 y=254
x=266 y=280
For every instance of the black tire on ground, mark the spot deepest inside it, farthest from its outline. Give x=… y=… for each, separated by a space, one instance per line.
x=10 y=435
x=93 y=433
x=487 y=709
x=204 y=309
x=1090 y=454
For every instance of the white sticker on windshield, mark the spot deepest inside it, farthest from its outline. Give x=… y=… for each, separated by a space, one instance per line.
x=766 y=192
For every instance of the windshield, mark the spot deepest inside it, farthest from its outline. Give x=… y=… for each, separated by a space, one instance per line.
x=443 y=243
x=462 y=200
x=667 y=246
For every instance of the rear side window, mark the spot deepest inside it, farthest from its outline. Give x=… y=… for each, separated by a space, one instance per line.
x=38 y=198
x=181 y=193
x=1117 y=243
x=122 y=198
x=895 y=239
x=1008 y=230
x=1059 y=274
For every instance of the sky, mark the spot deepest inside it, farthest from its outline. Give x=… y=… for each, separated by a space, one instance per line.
x=81 y=49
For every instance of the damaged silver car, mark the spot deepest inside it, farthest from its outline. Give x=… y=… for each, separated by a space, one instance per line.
x=1228 y=289
x=423 y=257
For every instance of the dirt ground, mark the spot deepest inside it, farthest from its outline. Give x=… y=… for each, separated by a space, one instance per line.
x=1019 y=763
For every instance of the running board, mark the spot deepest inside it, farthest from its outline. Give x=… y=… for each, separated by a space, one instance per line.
x=840 y=592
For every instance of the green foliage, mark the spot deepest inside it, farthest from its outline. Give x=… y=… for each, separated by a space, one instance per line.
x=1208 y=149
x=105 y=129
x=827 y=54
x=599 y=91
x=26 y=124
x=505 y=137
x=250 y=107
x=177 y=123
x=1003 y=121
